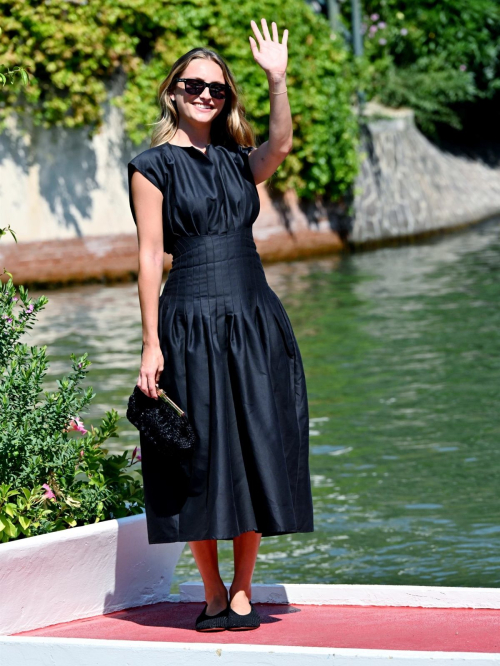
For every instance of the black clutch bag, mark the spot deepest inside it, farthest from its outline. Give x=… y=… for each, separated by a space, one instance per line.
x=163 y=424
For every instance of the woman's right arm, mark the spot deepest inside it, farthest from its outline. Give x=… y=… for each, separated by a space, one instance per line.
x=148 y=201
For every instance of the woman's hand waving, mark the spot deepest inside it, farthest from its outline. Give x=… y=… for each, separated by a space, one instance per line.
x=272 y=56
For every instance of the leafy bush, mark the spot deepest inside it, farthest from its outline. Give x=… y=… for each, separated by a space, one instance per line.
x=431 y=92
x=430 y=56
x=11 y=75
x=73 y=51
x=50 y=479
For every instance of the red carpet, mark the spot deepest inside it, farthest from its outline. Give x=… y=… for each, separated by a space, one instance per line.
x=368 y=627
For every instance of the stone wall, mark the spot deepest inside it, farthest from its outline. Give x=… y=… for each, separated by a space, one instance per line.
x=65 y=195
x=408 y=187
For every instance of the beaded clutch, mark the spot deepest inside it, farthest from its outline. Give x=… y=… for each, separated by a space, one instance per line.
x=162 y=423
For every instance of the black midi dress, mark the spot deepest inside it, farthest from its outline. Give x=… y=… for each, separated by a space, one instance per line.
x=231 y=360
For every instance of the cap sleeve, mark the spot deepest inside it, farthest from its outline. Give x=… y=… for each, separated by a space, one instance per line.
x=241 y=159
x=242 y=153
x=150 y=164
x=245 y=150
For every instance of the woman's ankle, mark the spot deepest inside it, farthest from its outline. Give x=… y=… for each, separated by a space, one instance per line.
x=241 y=592
x=218 y=594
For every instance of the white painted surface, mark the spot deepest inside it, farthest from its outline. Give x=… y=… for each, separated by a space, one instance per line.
x=363 y=595
x=20 y=651
x=81 y=572
x=59 y=183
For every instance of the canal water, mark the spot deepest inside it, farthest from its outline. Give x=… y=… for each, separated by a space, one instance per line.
x=401 y=348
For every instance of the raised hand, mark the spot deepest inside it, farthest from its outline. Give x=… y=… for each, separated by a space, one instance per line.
x=272 y=56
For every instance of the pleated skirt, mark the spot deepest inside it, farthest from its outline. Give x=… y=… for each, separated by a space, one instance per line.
x=232 y=362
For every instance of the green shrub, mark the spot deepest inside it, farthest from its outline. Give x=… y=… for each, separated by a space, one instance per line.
x=430 y=56
x=50 y=478
x=74 y=49
x=430 y=92
x=8 y=75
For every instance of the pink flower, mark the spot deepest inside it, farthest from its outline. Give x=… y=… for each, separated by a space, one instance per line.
x=382 y=41
x=30 y=308
x=76 y=424
x=403 y=31
x=81 y=453
x=381 y=25
x=374 y=17
x=136 y=455
x=15 y=298
x=373 y=29
x=49 y=494
x=463 y=68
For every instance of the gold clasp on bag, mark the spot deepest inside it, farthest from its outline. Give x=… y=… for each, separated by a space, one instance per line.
x=161 y=393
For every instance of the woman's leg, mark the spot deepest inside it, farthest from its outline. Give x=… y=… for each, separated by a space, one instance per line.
x=245 y=547
x=206 y=558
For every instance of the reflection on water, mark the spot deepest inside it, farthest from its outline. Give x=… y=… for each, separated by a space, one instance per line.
x=402 y=356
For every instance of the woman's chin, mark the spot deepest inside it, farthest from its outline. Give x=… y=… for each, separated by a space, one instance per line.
x=202 y=120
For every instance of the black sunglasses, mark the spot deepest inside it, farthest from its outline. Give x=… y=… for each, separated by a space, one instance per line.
x=196 y=87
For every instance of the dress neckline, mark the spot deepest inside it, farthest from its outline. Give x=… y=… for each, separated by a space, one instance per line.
x=190 y=146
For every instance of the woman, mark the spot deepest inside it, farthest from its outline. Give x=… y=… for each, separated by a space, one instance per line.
x=219 y=341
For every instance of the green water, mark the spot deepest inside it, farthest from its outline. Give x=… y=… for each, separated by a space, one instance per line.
x=401 y=349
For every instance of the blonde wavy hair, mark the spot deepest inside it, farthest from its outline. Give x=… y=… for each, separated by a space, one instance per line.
x=229 y=127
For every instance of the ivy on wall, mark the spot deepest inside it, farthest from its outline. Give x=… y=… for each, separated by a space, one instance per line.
x=74 y=49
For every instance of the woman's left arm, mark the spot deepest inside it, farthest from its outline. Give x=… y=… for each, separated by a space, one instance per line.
x=273 y=58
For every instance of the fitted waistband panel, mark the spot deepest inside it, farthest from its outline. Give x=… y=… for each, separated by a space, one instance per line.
x=224 y=268
x=208 y=245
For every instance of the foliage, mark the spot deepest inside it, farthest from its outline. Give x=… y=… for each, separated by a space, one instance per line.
x=75 y=51
x=429 y=55
x=51 y=479
x=430 y=92
x=3 y=232
x=10 y=75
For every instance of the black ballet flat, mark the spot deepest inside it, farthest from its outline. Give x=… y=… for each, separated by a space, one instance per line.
x=217 y=622
x=237 y=622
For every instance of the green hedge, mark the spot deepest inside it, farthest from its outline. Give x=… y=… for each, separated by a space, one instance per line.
x=431 y=55
x=74 y=50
